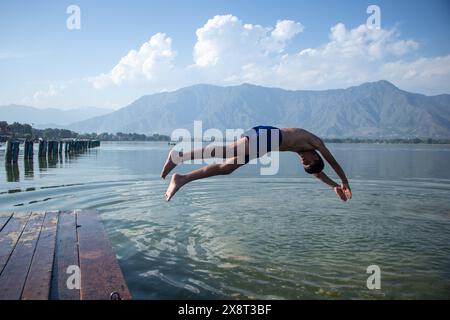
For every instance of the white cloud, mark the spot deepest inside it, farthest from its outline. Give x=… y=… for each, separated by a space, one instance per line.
x=348 y=58
x=359 y=55
x=286 y=29
x=228 y=44
x=152 y=59
x=44 y=97
x=229 y=51
x=372 y=43
x=430 y=75
x=53 y=90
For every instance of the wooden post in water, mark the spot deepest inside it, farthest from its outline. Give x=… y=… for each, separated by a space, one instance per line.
x=15 y=151
x=28 y=149
x=60 y=147
x=49 y=148
x=25 y=149
x=8 y=152
x=42 y=148
x=55 y=148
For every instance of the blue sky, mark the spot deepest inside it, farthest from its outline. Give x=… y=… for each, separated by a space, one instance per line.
x=288 y=44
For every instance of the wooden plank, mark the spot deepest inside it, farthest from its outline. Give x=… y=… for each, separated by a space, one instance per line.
x=66 y=254
x=4 y=218
x=100 y=271
x=9 y=236
x=37 y=285
x=15 y=272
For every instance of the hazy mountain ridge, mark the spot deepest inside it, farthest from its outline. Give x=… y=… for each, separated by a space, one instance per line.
x=49 y=117
x=378 y=110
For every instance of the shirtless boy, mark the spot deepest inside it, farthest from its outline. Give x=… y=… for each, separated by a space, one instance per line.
x=297 y=140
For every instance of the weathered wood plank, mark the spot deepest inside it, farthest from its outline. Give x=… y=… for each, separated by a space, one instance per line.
x=100 y=271
x=66 y=254
x=15 y=272
x=9 y=236
x=37 y=285
x=4 y=218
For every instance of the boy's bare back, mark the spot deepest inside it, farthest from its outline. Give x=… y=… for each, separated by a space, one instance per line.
x=298 y=140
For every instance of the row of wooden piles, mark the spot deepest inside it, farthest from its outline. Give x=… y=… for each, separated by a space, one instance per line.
x=47 y=148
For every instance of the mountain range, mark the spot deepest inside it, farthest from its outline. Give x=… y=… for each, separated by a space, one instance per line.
x=371 y=110
x=49 y=117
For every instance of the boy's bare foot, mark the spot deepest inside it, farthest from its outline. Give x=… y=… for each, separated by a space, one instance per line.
x=175 y=184
x=169 y=165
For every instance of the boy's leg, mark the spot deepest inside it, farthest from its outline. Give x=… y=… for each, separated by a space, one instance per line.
x=228 y=151
x=179 y=180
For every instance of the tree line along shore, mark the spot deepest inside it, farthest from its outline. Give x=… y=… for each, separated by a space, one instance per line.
x=27 y=132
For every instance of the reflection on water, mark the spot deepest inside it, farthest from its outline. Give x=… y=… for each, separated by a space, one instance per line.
x=29 y=168
x=42 y=164
x=247 y=236
x=52 y=161
x=12 y=172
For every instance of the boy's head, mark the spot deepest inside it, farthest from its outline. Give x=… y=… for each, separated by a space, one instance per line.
x=312 y=162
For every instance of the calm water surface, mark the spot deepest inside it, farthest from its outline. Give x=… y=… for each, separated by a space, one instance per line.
x=249 y=236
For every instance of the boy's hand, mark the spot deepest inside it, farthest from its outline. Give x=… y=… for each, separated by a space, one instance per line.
x=348 y=192
x=340 y=193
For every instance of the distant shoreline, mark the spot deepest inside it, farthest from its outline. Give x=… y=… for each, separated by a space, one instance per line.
x=25 y=131
x=335 y=141
x=389 y=141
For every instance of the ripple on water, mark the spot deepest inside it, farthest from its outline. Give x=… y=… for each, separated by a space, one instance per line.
x=248 y=251
x=268 y=238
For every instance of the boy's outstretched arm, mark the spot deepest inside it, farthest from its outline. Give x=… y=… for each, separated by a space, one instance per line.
x=337 y=188
x=319 y=145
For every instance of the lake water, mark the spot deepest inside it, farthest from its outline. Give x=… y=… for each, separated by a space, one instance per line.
x=250 y=236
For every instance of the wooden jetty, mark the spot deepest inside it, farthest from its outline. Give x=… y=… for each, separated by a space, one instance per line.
x=58 y=255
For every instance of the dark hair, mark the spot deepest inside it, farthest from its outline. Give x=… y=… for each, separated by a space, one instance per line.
x=317 y=166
